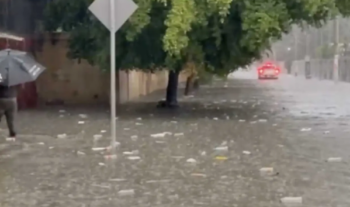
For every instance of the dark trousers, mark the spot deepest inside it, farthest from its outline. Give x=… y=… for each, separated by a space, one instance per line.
x=8 y=107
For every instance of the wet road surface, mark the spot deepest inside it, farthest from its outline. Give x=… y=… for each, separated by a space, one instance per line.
x=210 y=152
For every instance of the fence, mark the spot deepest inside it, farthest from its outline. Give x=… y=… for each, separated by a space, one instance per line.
x=322 y=69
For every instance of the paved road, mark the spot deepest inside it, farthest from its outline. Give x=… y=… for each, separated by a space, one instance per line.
x=208 y=153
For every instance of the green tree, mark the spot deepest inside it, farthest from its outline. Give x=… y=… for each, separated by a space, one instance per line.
x=216 y=35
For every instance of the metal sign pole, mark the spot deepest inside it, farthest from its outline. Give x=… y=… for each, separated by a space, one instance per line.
x=113 y=76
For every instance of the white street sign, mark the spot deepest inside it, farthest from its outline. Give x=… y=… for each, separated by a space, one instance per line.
x=113 y=14
x=123 y=9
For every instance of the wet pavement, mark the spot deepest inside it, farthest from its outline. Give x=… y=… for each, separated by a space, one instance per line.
x=243 y=142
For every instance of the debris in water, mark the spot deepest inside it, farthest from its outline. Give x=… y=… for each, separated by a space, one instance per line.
x=134 y=152
x=103 y=131
x=262 y=120
x=215 y=118
x=334 y=159
x=139 y=119
x=198 y=175
x=267 y=171
x=111 y=157
x=126 y=192
x=221 y=158
x=203 y=153
x=191 y=160
x=138 y=124
x=179 y=134
x=62 y=136
x=159 y=135
x=134 y=158
x=221 y=148
x=41 y=143
x=83 y=116
x=81 y=122
x=101 y=164
x=10 y=139
x=305 y=129
x=292 y=201
x=247 y=152
x=241 y=120
x=80 y=153
x=96 y=149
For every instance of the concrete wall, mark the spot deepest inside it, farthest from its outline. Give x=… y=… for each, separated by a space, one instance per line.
x=74 y=82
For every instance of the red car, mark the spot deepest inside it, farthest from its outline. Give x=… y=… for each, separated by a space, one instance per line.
x=268 y=71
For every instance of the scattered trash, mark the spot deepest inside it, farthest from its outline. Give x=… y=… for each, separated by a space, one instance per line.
x=138 y=124
x=241 y=120
x=135 y=152
x=215 y=118
x=80 y=153
x=103 y=131
x=203 y=153
x=292 y=201
x=111 y=157
x=81 y=122
x=139 y=119
x=51 y=148
x=179 y=134
x=262 y=120
x=221 y=148
x=126 y=192
x=305 y=129
x=102 y=186
x=174 y=122
x=198 y=175
x=97 y=137
x=41 y=143
x=191 y=160
x=134 y=158
x=117 y=179
x=62 y=136
x=134 y=137
x=157 y=181
x=267 y=171
x=221 y=158
x=335 y=159
x=114 y=145
x=10 y=139
x=96 y=149
x=247 y=152
x=101 y=164
x=83 y=116
x=159 y=135
x=61 y=116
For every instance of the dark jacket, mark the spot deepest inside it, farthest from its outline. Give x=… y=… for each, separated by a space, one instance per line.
x=8 y=92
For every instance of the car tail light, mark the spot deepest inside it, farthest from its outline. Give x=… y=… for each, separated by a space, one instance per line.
x=277 y=71
x=261 y=71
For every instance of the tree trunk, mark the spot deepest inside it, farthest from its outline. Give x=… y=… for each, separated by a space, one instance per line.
x=171 y=91
x=189 y=84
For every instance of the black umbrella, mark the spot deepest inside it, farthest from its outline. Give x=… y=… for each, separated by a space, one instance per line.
x=18 y=67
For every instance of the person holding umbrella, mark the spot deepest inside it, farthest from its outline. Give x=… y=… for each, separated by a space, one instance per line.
x=16 y=68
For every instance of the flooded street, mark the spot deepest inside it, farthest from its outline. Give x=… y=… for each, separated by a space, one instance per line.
x=244 y=142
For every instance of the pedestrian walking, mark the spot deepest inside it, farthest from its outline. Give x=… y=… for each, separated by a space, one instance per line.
x=8 y=107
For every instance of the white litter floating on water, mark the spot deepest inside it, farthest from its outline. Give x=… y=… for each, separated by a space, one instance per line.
x=241 y=120
x=134 y=152
x=97 y=137
x=81 y=122
x=83 y=116
x=221 y=148
x=247 y=152
x=80 y=153
x=305 y=129
x=62 y=136
x=129 y=192
x=97 y=149
x=179 y=134
x=101 y=164
x=10 y=139
x=139 y=119
x=41 y=143
x=215 y=118
x=334 y=159
x=159 y=135
x=134 y=158
x=103 y=131
x=262 y=120
x=191 y=160
x=138 y=124
x=111 y=157
x=203 y=153
x=266 y=171
x=292 y=201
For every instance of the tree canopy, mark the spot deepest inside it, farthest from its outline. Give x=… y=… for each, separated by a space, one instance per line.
x=217 y=35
